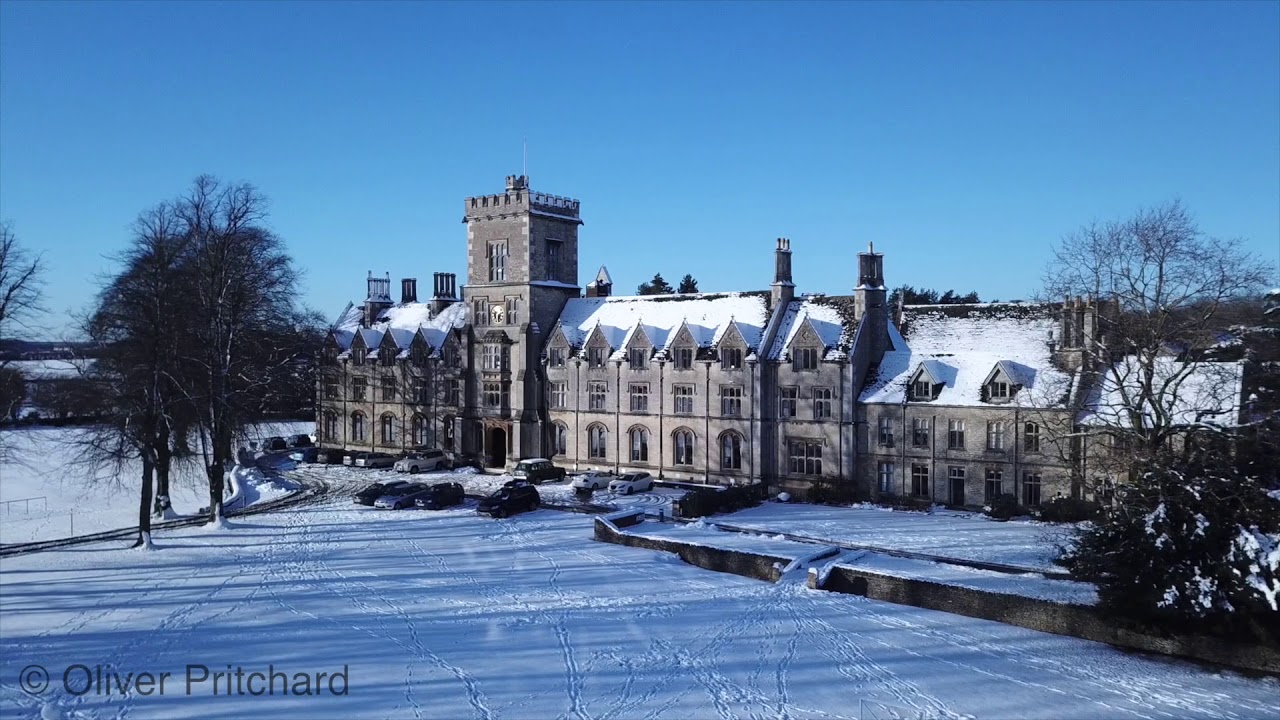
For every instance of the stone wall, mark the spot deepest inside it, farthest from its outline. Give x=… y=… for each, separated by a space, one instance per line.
x=760 y=567
x=1072 y=620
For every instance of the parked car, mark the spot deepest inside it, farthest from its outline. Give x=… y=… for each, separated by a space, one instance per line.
x=439 y=496
x=509 y=501
x=593 y=480
x=416 y=462
x=331 y=456
x=352 y=456
x=400 y=496
x=274 y=443
x=632 y=483
x=537 y=471
x=306 y=454
x=376 y=460
x=370 y=494
x=298 y=441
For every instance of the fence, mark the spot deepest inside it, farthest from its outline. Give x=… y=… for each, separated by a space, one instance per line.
x=26 y=509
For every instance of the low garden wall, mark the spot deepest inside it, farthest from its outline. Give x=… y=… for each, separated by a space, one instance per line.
x=1079 y=621
x=760 y=567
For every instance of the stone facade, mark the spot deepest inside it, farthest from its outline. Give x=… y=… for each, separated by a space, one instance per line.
x=769 y=386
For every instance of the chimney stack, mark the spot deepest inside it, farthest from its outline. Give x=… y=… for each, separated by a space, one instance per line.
x=444 y=292
x=408 y=290
x=377 y=299
x=783 y=289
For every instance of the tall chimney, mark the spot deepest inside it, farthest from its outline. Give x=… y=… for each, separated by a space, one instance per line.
x=408 y=290
x=445 y=291
x=377 y=299
x=783 y=290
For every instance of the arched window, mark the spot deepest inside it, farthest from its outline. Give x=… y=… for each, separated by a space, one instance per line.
x=357 y=426
x=639 y=445
x=387 y=427
x=559 y=439
x=446 y=432
x=731 y=451
x=683 y=447
x=419 y=426
x=597 y=442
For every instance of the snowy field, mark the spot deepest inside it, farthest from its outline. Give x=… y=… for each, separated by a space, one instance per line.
x=55 y=496
x=452 y=615
x=948 y=533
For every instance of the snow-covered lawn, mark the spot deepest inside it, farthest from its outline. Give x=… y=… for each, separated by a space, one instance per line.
x=1035 y=585
x=947 y=533
x=40 y=464
x=452 y=615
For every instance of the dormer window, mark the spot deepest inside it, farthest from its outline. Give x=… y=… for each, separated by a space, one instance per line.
x=387 y=357
x=639 y=358
x=805 y=358
x=999 y=390
x=419 y=355
x=555 y=357
x=682 y=358
x=922 y=389
x=595 y=358
x=357 y=356
x=731 y=358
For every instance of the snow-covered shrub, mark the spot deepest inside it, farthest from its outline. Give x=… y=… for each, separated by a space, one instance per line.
x=1195 y=544
x=1003 y=507
x=1069 y=510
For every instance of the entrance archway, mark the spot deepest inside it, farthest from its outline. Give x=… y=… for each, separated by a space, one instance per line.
x=496 y=449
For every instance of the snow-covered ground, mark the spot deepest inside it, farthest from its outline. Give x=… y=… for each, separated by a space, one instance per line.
x=56 y=496
x=449 y=614
x=955 y=534
x=706 y=533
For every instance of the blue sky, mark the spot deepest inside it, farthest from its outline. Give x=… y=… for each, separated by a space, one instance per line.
x=963 y=139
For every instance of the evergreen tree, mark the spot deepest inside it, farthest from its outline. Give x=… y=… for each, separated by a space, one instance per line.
x=656 y=286
x=687 y=285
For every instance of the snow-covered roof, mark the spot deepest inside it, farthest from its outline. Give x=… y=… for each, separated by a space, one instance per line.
x=961 y=345
x=1205 y=393
x=824 y=316
x=401 y=322
x=707 y=315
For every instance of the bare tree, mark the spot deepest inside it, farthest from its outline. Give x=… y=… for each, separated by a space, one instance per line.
x=1165 y=291
x=21 y=277
x=138 y=325
x=241 y=289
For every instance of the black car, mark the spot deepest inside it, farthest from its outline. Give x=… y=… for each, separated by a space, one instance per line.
x=510 y=500
x=439 y=496
x=275 y=443
x=370 y=494
x=330 y=456
x=298 y=441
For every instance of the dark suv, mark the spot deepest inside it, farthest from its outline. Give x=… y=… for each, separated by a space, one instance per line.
x=537 y=471
x=510 y=500
x=439 y=496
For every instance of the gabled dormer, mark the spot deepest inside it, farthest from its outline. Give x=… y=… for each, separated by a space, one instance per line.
x=806 y=348
x=359 y=350
x=331 y=350
x=732 y=349
x=928 y=381
x=558 y=348
x=638 y=348
x=683 y=348
x=1003 y=382
x=596 y=350
x=419 y=350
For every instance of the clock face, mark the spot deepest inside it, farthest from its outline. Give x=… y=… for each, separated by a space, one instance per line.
x=497 y=312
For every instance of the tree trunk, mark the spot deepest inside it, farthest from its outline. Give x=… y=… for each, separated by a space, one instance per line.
x=164 y=463
x=144 y=504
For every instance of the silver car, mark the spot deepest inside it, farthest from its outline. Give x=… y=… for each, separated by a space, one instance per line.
x=593 y=480
x=632 y=483
x=424 y=461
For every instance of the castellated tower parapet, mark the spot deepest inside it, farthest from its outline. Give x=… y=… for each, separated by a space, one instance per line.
x=519 y=198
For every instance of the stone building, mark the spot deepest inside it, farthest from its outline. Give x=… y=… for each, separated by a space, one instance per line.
x=948 y=403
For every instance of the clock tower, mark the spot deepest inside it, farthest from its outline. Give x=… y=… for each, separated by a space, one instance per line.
x=522 y=265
